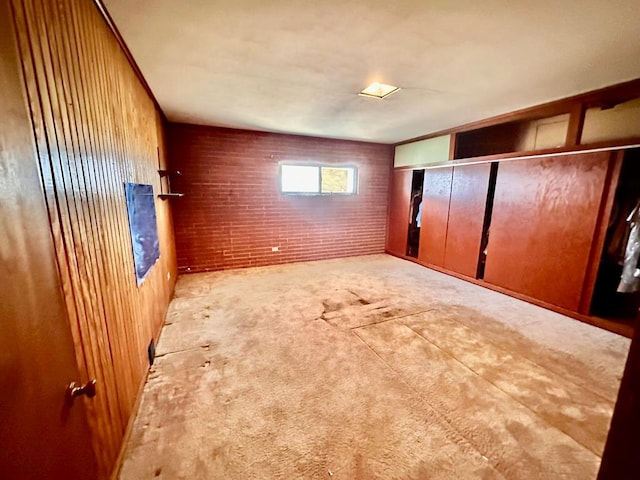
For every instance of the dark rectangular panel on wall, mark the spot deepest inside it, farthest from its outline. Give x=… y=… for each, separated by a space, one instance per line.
x=141 y=210
x=233 y=214
x=435 y=215
x=545 y=213
x=399 y=206
x=95 y=128
x=466 y=218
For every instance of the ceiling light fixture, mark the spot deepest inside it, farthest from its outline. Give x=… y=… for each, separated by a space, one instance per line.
x=378 y=90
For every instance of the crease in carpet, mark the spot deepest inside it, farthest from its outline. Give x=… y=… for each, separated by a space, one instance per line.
x=489 y=418
x=366 y=368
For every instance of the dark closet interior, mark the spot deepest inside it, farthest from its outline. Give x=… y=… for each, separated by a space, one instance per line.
x=413 y=237
x=487 y=221
x=609 y=299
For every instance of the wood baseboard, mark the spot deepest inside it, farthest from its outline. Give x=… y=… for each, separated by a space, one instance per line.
x=134 y=412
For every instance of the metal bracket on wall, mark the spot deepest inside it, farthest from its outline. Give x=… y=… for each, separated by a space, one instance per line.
x=168 y=195
x=166 y=173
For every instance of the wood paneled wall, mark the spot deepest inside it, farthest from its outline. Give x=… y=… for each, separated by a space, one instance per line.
x=97 y=128
x=39 y=433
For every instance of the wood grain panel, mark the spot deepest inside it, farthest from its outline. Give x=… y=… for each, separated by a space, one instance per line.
x=466 y=218
x=41 y=436
x=544 y=219
x=97 y=128
x=620 y=460
x=435 y=215
x=399 y=206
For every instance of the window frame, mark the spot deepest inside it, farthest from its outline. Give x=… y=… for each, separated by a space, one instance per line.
x=319 y=166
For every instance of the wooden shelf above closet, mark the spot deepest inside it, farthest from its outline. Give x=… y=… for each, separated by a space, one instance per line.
x=606 y=117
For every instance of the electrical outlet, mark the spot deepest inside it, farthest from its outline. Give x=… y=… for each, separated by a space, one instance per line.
x=275 y=249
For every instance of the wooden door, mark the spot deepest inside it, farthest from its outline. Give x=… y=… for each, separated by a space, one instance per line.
x=467 y=207
x=544 y=219
x=41 y=436
x=96 y=128
x=399 y=205
x=435 y=215
x=620 y=458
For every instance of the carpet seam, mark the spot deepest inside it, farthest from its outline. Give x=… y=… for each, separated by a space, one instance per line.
x=436 y=410
x=503 y=391
x=390 y=319
x=489 y=341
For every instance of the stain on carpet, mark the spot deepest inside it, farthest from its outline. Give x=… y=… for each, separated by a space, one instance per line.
x=347 y=309
x=366 y=368
x=502 y=429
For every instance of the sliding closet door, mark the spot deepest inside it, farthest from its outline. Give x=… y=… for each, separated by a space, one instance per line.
x=398 y=222
x=544 y=218
x=466 y=218
x=435 y=215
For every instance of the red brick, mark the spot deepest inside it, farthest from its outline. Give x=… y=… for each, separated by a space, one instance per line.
x=233 y=213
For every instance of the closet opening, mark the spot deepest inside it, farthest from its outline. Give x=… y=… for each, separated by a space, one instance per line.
x=617 y=290
x=482 y=261
x=415 y=213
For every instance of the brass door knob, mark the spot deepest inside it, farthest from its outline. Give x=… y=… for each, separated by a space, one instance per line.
x=74 y=390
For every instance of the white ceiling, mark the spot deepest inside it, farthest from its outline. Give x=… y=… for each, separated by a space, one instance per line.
x=296 y=66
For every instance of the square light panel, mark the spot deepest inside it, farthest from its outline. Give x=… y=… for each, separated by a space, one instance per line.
x=379 y=90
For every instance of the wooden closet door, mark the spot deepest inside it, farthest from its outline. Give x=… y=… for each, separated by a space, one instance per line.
x=41 y=434
x=466 y=218
x=398 y=220
x=435 y=215
x=544 y=218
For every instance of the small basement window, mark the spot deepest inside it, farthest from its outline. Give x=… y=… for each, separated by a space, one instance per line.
x=317 y=180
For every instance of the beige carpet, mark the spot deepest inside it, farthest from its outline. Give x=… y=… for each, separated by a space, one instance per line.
x=365 y=368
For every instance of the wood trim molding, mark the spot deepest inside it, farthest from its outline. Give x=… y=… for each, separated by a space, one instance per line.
x=453 y=146
x=607 y=96
x=620 y=460
x=551 y=152
x=576 y=123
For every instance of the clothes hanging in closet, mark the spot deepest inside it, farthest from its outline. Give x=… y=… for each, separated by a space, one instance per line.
x=630 y=279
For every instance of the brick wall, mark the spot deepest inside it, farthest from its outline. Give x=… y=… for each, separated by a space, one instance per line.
x=232 y=213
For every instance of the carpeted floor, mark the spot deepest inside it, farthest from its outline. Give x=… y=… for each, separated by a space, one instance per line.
x=370 y=367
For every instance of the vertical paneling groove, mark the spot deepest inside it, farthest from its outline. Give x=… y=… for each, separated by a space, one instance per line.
x=75 y=309
x=96 y=128
x=77 y=288
x=110 y=176
x=70 y=190
x=123 y=138
x=62 y=149
x=109 y=404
